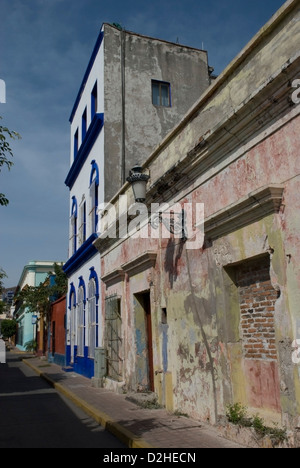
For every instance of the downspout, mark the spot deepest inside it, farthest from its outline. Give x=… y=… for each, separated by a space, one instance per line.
x=123 y=148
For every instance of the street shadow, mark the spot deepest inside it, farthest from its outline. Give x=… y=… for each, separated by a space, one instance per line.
x=139 y=427
x=55 y=377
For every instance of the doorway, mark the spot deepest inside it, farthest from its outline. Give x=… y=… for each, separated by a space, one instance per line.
x=144 y=345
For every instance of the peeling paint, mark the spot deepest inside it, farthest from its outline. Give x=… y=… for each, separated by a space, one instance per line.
x=199 y=357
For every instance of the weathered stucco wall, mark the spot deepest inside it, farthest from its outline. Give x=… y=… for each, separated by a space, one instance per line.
x=128 y=96
x=238 y=153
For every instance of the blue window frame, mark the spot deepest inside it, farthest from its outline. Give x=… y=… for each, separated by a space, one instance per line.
x=93 y=300
x=94 y=194
x=84 y=124
x=81 y=322
x=71 y=332
x=76 y=143
x=73 y=229
x=94 y=101
x=161 y=93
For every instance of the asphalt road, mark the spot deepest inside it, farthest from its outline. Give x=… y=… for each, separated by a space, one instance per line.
x=34 y=415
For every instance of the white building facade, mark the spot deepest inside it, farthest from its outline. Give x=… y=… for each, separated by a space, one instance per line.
x=135 y=90
x=86 y=184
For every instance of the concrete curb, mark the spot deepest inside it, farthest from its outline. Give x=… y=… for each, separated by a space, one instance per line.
x=123 y=434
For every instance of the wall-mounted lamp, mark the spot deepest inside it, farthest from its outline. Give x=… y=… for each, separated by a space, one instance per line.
x=138 y=180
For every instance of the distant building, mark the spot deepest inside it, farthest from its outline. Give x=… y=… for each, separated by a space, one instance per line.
x=8 y=299
x=135 y=90
x=8 y=295
x=33 y=274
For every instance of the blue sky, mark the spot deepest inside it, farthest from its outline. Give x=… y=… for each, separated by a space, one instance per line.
x=45 y=46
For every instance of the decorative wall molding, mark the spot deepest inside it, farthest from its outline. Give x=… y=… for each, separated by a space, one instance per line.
x=85 y=148
x=140 y=263
x=83 y=254
x=115 y=276
x=248 y=210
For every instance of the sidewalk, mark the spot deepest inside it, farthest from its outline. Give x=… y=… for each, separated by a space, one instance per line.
x=134 y=426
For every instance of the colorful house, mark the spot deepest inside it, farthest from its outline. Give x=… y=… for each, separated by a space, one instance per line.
x=34 y=273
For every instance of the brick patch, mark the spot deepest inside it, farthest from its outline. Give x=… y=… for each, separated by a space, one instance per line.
x=257 y=304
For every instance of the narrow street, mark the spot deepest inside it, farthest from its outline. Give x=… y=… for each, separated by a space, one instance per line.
x=34 y=415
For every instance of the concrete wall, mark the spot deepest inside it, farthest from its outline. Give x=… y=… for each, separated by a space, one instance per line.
x=236 y=152
x=144 y=59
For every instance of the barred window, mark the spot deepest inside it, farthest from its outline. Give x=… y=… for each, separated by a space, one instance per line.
x=113 y=338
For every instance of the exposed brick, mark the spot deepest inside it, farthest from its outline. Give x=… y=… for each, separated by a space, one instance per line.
x=257 y=304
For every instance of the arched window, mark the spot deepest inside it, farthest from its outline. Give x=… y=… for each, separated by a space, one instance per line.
x=71 y=332
x=82 y=223
x=73 y=227
x=81 y=318
x=93 y=300
x=94 y=196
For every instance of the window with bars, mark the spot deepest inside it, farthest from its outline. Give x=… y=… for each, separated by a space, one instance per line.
x=113 y=338
x=81 y=322
x=93 y=318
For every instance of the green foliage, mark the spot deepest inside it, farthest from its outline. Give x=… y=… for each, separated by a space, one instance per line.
x=151 y=405
x=38 y=299
x=237 y=414
x=2 y=276
x=276 y=434
x=8 y=328
x=61 y=282
x=31 y=346
x=179 y=414
x=259 y=426
x=5 y=154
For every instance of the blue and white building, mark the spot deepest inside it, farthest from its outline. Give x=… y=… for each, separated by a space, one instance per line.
x=134 y=91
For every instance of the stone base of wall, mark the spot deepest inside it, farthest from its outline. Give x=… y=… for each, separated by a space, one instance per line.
x=248 y=437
